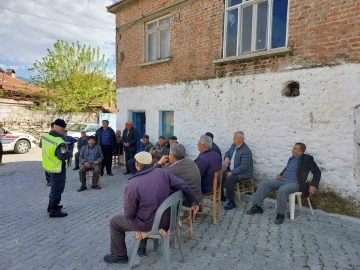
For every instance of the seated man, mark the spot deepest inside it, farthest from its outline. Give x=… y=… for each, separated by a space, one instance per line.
x=91 y=157
x=214 y=147
x=145 y=146
x=208 y=162
x=184 y=168
x=292 y=179
x=239 y=166
x=82 y=141
x=158 y=150
x=140 y=205
x=172 y=140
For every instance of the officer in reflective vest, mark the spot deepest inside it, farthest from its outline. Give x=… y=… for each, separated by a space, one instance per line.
x=47 y=175
x=54 y=154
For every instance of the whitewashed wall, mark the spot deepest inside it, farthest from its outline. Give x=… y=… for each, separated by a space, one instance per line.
x=322 y=117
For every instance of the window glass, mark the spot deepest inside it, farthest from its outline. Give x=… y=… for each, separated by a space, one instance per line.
x=232 y=30
x=77 y=127
x=151 y=26
x=165 y=43
x=279 y=23
x=164 y=21
x=261 y=31
x=167 y=124
x=246 y=29
x=152 y=47
x=234 y=2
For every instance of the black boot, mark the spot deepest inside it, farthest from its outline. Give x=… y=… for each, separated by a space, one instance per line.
x=230 y=205
x=56 y=213
x=255 y=210
x=279 y=219
x=59 y=207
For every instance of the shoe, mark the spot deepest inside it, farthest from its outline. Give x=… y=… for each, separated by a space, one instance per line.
x=95 y=187
x=230 y=205
x=57 y=213
x=141 y=252
x=125 y=173
x=48 y=184
x=59 y=207
x=101 y=173
x=76 y=168
x=255 y=210
x=279 y=219
x=110 y=174
x=111 y=258
x=81 y=189
x=223 y=199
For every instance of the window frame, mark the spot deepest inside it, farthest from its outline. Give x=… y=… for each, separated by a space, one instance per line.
x=163 y=126
x=240 y=8
x=156 y=30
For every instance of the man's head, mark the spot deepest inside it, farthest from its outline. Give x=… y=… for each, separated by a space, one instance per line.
x=59 y=126
x=83 y=134
x=1 y=124
x=128 y=125
x=172 y=140
x=65 y=132
x=239 y=138
x=52 y=125
x=298 y=149
x=118 y=133
x=210 y=135
x=145 y=139
x=91 y=141
x=177 y=152
x=162 y=140
x=205 y=143
x=142 y=160
x=105 y=124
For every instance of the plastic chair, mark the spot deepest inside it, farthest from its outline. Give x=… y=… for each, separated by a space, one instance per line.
x=215 y=197
x=292 y=203
x=173 y=202
x=245 y=186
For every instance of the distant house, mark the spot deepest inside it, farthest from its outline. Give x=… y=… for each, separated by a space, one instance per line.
x=282 y=71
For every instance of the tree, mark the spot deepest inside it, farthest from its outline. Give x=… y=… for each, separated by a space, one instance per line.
x=74 y=76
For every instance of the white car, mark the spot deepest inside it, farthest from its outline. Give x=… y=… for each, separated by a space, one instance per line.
x=75 y=130
x=17 y=141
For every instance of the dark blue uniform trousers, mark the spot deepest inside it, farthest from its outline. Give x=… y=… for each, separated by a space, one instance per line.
x=57 y=188
x=131 y=165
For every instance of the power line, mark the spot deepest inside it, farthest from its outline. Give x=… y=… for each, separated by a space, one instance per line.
x=56 y=20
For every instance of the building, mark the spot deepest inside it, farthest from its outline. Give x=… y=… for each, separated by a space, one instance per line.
x=282 y=71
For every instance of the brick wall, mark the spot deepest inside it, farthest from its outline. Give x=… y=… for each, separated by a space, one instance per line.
x=321 y=32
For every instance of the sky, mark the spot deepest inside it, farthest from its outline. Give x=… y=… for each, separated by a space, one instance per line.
x=25 y=39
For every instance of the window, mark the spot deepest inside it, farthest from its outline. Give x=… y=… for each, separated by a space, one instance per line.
x=157 y=39
x=167 y=126
x=254 y=25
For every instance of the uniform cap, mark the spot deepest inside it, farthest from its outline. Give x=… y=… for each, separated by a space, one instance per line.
x=60 y=123
x=143 y=158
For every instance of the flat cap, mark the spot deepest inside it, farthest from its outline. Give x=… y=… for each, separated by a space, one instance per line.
x=173 y=138
x=210 y=135
x=60 y=123
x=143 y=158
x=145 y=137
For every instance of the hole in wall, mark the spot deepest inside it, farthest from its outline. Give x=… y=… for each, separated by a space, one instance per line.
x=291 y=89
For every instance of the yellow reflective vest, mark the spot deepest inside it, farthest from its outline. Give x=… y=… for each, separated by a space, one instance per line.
x=50 y=162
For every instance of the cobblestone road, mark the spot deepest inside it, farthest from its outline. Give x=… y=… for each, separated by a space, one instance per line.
x=31 y=240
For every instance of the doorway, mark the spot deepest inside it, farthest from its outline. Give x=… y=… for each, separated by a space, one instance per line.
x=139 y=120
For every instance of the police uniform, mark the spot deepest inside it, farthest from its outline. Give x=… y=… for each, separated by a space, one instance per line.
x=54 y=155
x=47 y=175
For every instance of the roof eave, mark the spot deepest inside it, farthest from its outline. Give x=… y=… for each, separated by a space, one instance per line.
x=119 y=5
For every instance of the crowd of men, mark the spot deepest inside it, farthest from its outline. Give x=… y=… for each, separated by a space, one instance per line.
x=164 y=168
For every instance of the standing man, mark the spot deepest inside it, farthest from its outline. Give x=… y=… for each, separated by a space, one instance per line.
x=130 y=136
x=54 y=155
x=239 y=166
x=106 y=138
x=82 y=141
x=47 y=175
x=2 y=131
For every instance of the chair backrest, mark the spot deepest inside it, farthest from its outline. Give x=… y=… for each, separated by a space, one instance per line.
x=174 y=202
x=217 y=181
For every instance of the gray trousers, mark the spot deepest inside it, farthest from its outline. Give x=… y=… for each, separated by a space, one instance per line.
x=284 y=188
x=96 y=174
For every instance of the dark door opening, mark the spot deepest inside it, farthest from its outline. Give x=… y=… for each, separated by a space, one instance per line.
x=139 y=120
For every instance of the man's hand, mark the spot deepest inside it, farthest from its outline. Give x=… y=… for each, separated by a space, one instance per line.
x=278 y=177
x=229 y=174
x=87 y=165
x=312 y=190
x=163 y=160
x=227 y=162
x=96 y=163
x=152 y=151
x=195 y=209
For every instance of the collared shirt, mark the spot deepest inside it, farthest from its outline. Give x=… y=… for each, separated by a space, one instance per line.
x=91 y=155
x=105 y=137
x=232 y=161
x=176 y=163
x=291 y=168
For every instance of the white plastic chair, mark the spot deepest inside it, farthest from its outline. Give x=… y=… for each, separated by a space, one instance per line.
x=292 y=203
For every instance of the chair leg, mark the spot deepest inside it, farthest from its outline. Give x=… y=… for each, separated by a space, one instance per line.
x=292 y=206
x=156 y=244
x=312 y=212
x=190 y=225
x=177 y=236
x=134 y=252
x=299 y=201
x=252 y=187
x=214 y=210
x=166 y=251
x=238 y=192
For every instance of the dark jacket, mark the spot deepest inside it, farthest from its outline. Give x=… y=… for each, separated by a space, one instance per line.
x=187 y=170
x=305 y=165
x=146 y=191
x=112 y=137
x=208 y=162
x=216 y=149
x=131 y=139
x=59 y=150
x=81 y=142
x=119 y=145
x=145 y=147
x=85 y=151
x=243 y=166
x=159 y=150
x=70 y=141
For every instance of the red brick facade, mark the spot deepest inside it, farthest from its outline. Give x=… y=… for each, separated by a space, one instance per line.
x=321 y=32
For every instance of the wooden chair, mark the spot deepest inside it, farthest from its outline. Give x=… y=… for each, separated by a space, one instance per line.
x=188 y=221
x=116 y=160
x=215 y=197
x=244 y=187
x=89 y=177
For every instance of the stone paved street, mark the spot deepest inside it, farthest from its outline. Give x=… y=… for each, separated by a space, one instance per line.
x=31 y=240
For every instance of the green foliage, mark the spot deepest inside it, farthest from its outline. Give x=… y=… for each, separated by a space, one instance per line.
x=74 y=76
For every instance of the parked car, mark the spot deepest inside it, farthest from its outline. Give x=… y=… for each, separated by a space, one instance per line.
x=74 y=130
x=19 y=142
